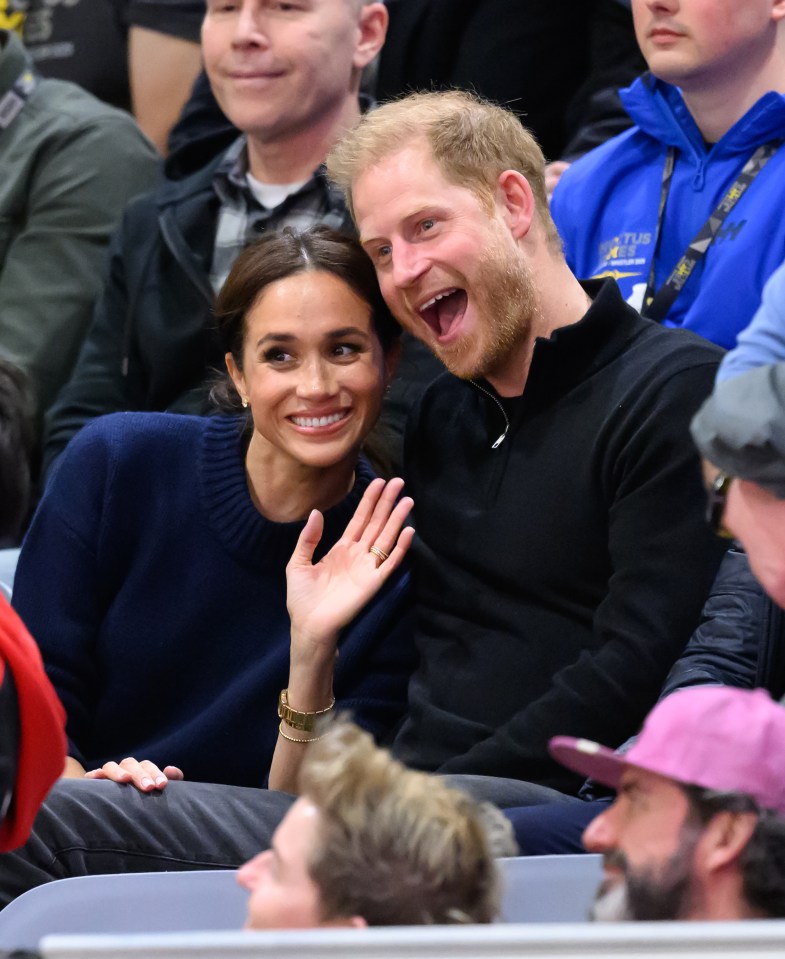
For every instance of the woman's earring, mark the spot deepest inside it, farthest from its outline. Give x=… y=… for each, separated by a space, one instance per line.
x=245 y=402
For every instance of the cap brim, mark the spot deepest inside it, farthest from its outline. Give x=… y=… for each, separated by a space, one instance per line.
x=588 y=758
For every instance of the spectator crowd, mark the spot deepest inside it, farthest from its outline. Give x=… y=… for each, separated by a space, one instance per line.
x=419 y=362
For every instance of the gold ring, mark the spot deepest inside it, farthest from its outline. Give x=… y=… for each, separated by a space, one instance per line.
x=379 y=552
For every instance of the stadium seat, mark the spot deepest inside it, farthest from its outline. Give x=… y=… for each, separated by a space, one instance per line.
x=8 y=560
x=549 y=888
x=130 y=902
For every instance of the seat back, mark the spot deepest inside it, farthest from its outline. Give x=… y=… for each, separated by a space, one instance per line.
x=131 y=902
x=536 y=889
x=8 y=560
x=549 y=888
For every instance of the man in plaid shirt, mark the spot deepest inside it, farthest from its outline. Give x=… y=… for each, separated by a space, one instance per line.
x=287 y=74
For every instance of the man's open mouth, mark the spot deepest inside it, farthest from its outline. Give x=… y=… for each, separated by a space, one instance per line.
x=444 y=310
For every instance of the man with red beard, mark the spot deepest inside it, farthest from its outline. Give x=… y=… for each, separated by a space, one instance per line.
x=561 y=557
x=697 y=830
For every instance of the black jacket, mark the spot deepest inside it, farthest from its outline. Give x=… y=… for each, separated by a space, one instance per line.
x=741 y=637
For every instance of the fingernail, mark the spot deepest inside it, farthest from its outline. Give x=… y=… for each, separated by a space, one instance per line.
x=146 y=783
x=161 y=781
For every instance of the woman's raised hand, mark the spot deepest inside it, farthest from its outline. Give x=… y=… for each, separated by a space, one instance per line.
x=324 y=597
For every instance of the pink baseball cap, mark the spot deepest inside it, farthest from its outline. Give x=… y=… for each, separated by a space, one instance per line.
x=717 y=737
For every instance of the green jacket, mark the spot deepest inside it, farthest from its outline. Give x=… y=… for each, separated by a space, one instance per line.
x=69 y=166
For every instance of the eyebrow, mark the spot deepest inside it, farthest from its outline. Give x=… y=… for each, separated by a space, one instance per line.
x=427 y=209
x=631 y=787
x=347 y=331
x=332 y=335
x=276 y=338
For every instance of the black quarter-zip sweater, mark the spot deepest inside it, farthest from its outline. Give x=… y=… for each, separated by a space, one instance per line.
x=559 y=575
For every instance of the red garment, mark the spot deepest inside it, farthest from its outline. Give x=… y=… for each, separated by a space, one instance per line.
x=42 y=743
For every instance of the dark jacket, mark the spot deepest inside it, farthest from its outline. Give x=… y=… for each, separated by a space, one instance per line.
x=741 y=637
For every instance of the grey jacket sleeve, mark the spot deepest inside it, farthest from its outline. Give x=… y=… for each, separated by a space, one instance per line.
x=741 y=427
x=51 y=268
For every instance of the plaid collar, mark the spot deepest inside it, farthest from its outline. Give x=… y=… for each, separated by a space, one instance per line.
x=241 y=217
x=231 y=185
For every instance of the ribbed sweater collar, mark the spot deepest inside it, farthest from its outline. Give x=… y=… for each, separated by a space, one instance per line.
x=231 y=513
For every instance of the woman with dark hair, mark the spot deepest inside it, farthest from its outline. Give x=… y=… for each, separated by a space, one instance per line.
x=153 y=574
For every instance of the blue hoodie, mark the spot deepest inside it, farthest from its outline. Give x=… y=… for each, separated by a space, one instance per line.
x=605 y=209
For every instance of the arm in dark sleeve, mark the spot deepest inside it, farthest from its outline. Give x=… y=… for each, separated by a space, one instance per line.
x=57 y=584
x=728 y=647
x=102 y=380
x=664 y=558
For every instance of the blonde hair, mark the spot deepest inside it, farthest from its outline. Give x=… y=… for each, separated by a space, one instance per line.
x=397 y=847
x=472 y=140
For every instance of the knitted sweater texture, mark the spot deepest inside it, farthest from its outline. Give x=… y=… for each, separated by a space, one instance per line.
x=156 y=591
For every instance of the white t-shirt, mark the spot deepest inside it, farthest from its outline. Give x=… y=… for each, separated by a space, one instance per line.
x=271 y=195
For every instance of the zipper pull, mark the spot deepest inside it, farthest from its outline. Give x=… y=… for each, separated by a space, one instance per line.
x=501 y=439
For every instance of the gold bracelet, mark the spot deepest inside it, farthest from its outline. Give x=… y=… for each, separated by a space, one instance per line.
x=313 y=739
x=297 y=719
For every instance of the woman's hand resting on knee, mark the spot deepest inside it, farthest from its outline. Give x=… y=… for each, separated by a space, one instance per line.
x=146 y=776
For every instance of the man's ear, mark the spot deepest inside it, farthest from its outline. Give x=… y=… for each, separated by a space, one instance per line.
x=724 y=839
x=237 y=377
x=372 y=26
x=517 y=201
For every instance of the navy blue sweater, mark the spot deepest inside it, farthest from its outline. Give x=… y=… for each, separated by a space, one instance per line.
x=157 y=594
